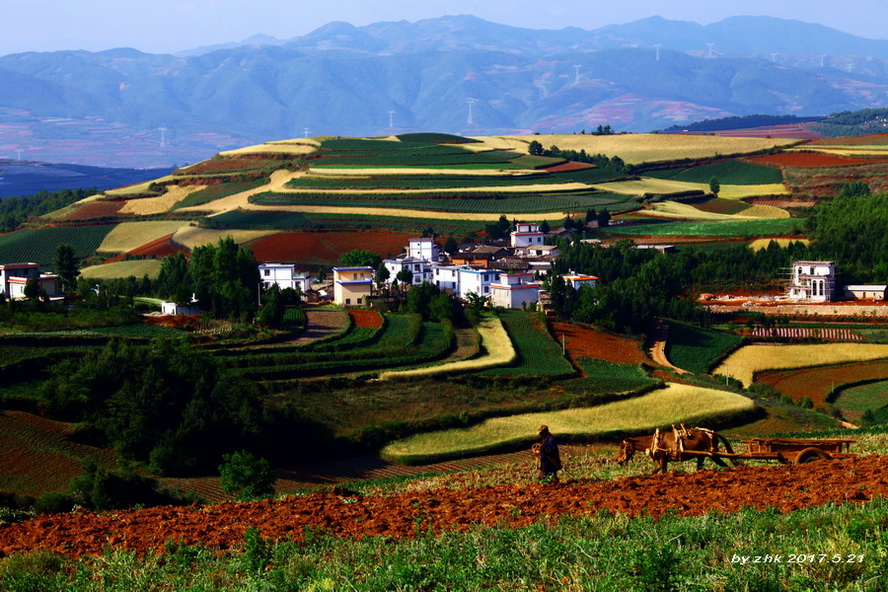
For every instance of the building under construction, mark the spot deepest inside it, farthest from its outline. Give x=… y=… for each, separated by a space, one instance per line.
x=814 y=281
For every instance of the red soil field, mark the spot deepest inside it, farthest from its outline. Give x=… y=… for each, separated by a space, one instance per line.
x=325 y=248
x=96 y=209
x=160 y=247
x=817 y=383
x=366 y=318
x=792 y=130
x=868 y=140
x=809 y=160
x=36 y=454
x=222 y=526
x=569 y=166
x=587 y=342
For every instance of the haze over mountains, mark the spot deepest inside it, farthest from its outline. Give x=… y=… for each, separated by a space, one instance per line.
x=457 y=74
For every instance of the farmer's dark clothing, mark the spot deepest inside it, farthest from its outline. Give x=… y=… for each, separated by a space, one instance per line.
x=550 y=459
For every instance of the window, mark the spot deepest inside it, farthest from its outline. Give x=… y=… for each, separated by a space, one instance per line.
x=267 y=272
x=359 y=300
x=348 y=301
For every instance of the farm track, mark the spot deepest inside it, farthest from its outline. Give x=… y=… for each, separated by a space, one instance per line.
x=340 y=513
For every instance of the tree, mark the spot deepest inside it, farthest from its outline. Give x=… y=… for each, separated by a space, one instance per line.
x=544 y=227
x=451 y=246
x=535 y=148
x=272 y=312
x=32 y=289
x=714 y=186
x=360 y=258
x=855 y=189
x=603 y=218
x=405 y=276
x=382 y=275
x=246 y=476
x=65 y=264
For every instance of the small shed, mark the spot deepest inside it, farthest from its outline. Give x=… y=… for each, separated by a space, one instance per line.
x=866 y=292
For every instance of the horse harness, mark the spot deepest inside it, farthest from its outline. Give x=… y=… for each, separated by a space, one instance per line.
x=680 y=434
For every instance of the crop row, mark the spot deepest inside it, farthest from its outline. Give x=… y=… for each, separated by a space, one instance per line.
x=728 y=172
x=538 y=354
x=491 y=204
x=607 y=378
x=329 y=182
x=695 y=349
x=39 y=244
x=214 y=192
x=751 y=227
x=433 y=342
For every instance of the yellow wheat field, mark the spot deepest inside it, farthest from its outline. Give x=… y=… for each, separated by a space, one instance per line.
x=296 y=147
x=746 y=361
x=495 y=342
x=193 y=236
x=683 y=211
x=123 y=269
x=674 y=404
x=538 y=188
x=137 y=188
x=762 y=243
x=644 y=185
x=639 y=148
x=145 y=206
x=132 y=235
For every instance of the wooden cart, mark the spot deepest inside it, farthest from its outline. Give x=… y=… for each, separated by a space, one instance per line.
x=787 y=450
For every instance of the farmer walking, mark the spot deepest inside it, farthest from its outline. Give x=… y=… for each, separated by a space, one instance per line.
x=550 y=459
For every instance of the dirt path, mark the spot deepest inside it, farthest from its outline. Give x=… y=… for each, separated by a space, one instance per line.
x=658 y=347
x=518 y=504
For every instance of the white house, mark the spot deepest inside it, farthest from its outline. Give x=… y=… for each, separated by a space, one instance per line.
x=285 y=276
x=476 y=281
x=813 y=280
x=514 y=290
x=352 y=285
x=539 y=251
x=420 y=268
x=446 y=277
x=171 y=308
x=526 y=234
x=15 y=276
x=578 y=280
x=424 y=249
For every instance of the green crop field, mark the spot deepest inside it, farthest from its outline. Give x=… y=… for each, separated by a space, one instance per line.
x=728 y=172
x=332 y=182
x=750 y=227
x=38 y=245
x=538 y=354
x=471 y=203
x=606 y=378
x=253 y=219
x=214 y=192
x=872 y=396
x=695 y=349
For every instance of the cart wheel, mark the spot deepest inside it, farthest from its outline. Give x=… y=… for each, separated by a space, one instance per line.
x=810 y=455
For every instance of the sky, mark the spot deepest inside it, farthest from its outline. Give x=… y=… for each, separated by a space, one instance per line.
x=169 y=26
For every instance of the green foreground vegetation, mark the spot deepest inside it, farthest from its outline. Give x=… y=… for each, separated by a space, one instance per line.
x=603 y=552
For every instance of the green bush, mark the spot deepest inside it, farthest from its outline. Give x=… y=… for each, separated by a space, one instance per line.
x=246 y=476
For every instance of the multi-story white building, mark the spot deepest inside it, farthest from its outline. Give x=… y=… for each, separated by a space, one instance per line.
x=15 y=276
x=527 y=234
x=419 y=268
x=285 y=276
x=446 y=277
x=476 y=281
x=813 y=280
x=514 y=290
x=424 y=249
x=352 y=285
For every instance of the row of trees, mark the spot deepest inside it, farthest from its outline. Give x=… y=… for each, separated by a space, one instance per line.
x=602 y=161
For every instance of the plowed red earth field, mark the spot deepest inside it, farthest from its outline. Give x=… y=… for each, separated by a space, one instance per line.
x=586 y=342
x=326 y=247
x=809 y=159
x=366 y=318
x=222 y=526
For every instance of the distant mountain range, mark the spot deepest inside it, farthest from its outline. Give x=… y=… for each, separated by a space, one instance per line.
x=456 y=74
x=21 y=178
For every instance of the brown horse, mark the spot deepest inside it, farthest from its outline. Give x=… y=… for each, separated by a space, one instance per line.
x=669 y=445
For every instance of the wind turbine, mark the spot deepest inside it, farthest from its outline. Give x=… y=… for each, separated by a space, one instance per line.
x=577 y=75
x=657 y=46
x=469 y=119
x=709 y=56
x=391 y=119
x=162 y=131
x=773 y=57
x=305 y=132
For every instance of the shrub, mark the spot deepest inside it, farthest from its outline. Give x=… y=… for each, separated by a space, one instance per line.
x=246 y=476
